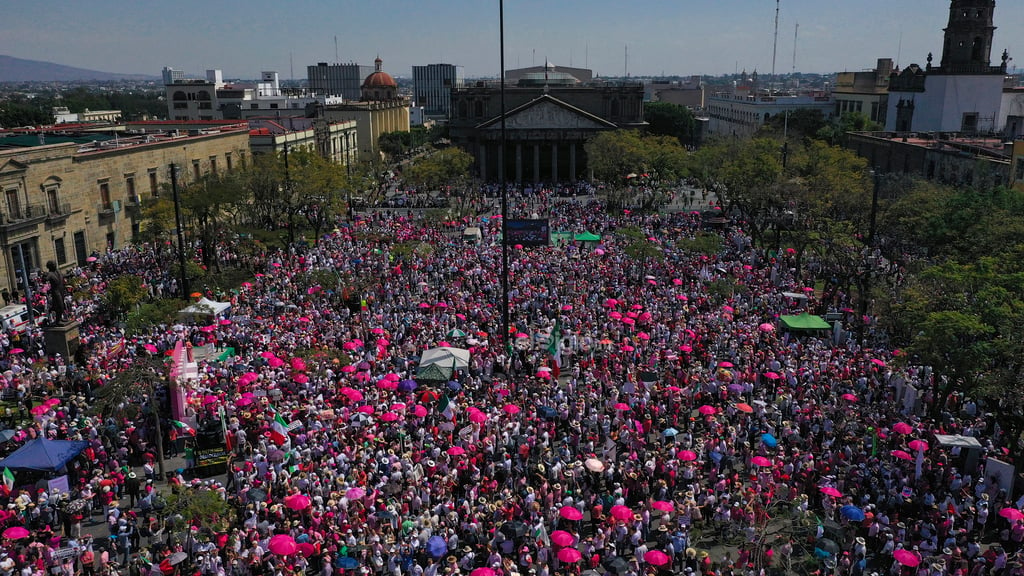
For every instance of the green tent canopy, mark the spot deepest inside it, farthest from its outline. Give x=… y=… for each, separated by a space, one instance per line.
x=587 y=237
x=804 y=322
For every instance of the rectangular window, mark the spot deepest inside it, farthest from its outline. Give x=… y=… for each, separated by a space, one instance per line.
x=154 y=184
x=227 y=160
x=60 y=251
x=52 y=200
x=129 y=187
x=273 y=105
x=197 y=171
x=13 y=205
x=970 y=122
x=80 y=250
x=213 y=164
x=105 y=195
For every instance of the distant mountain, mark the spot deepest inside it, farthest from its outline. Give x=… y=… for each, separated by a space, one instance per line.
x=20 y=70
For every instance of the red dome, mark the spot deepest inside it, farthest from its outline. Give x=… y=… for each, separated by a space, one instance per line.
x=380 y=80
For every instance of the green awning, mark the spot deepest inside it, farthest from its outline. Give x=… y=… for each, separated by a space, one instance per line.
x=587 y=237
x=434 y=372
x=804 y=322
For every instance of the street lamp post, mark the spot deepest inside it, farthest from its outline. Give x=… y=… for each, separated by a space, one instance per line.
x=181 y=235
x=505 y=324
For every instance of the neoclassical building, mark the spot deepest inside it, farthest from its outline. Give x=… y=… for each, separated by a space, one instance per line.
x=380 y=110
x=549 y=117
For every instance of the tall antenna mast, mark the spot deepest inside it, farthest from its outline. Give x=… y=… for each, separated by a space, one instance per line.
x=796 y=33
x=626 y=69
x=586 y=57
x=775 y=45
x=291 y=65
x=899 y=49
x=335 y=47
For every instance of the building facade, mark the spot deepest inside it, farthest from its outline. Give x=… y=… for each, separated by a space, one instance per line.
x=82 y=193
x=433 y=85
x=689 y=92
x=951 y=159
x=1017 y=166
x=379 y=111
x=335 y=141
x=550 y=116
x=742 y=114
x=344 y=80
x=964 y=92
x=864 y=92
x=214 y=99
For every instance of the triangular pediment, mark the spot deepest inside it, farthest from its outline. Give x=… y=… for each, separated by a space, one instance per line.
x=548 y=113
x=12 y=166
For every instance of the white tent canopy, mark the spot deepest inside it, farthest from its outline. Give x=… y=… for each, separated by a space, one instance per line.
x=948 y=441
x=446 y=357
x=204 y=308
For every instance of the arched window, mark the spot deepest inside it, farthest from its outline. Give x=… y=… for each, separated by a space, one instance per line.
x=179 y=95
x=203 y=95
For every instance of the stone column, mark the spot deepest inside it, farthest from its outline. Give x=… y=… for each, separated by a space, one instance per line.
x=536 y=163
x=482 y=159
x=554 y=162
x=519 y=161
x=572 y=161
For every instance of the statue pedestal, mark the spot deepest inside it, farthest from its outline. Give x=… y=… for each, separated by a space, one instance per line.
x=62 y=339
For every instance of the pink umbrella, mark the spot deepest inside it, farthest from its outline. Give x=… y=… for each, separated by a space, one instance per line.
x=477 y=417
x=677 y=281
x=901 y=455
x=766 y=327
x=298 y=364
x=348 y=368
x=656 y=558
x=387 y=384
x=687 y=455
x=456 y=451
x=906 y=557
x=707 y=410
x=365 y=409
x=389 y=416
x=301 y=378
x=566 y=308
x=275 y=362
x=543 y=374
x=297 y=501
x=419 y=411
x=150 y=348
x=377 y=330
x=562 y=538
x=511 y=408
x=663 y=506
x=615 y=315
x=242 y=402
x=918 y=445
x=306 y=549
x=570 y=513
x=16 y=533
x=599 y=251
x=771 y=376
x=352 y=394
x=725 y=364
x=398 y=406
x=569 y=555
x=444 y=343
x=483 y=571
x=355 y=493
x=902 y=428
x=282 y=545
x=39 y=410
x=1011 y=514
x=849 y=397
x=622 y=513
x=760 y=461
x=877 y=362
x=830 y=491
x=621 y=406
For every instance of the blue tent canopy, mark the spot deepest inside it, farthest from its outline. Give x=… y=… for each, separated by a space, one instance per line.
x=43 y=454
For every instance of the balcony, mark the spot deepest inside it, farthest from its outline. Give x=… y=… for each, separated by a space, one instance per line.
x=58 y=213
x=108 y=209
x=22 y=216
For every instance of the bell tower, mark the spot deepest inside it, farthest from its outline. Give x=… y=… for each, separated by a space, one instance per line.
x=967 y=48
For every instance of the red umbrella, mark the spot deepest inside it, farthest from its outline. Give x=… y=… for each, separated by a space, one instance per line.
x=283 y=545
x=918 y=445
x=902 y=428
x=656 y=558
x=830 y=491
x=562 y=538
x=663 y=506
x=570 y=555
x=906 y=557
x=901 y=455
x=306 y=549
x=622 y=513
x=707 y=410
x=570 y=513
x=297 y=501
x=687 y=455
x=760 y=461
x=744 y=407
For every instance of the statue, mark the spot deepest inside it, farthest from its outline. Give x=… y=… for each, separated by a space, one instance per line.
x=56 y=293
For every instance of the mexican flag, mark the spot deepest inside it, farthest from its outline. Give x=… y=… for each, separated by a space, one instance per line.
x=183 y=427
x=445 y=407
x=279 y=430
x=555 y=347
x=8 y=478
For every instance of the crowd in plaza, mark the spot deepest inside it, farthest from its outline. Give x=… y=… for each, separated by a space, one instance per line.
x=651 y=416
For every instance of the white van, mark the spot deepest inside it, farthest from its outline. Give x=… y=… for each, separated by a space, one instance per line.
x=14 y=318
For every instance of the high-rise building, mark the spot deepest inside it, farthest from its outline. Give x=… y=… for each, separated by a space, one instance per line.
x=432 y=87
x=171 y=75
x=343 y=80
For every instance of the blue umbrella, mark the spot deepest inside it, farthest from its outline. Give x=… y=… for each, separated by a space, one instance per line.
x=769 y=440
x=346 y=563
x=852 y=513
x=436 y=547
x=670 y=432
x=407 y=385
x=454 y=386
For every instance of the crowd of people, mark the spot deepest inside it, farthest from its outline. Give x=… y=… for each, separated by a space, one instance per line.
x=650 y=416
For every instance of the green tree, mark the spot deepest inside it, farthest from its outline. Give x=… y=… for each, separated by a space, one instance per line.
x=667 y=119
x=123 y=294
x=443 y=167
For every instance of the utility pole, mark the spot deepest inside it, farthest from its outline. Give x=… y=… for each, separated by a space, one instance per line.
x=506 y=339
x=181 y=235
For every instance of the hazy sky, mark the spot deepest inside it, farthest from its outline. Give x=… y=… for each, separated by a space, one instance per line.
x=663 y=36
